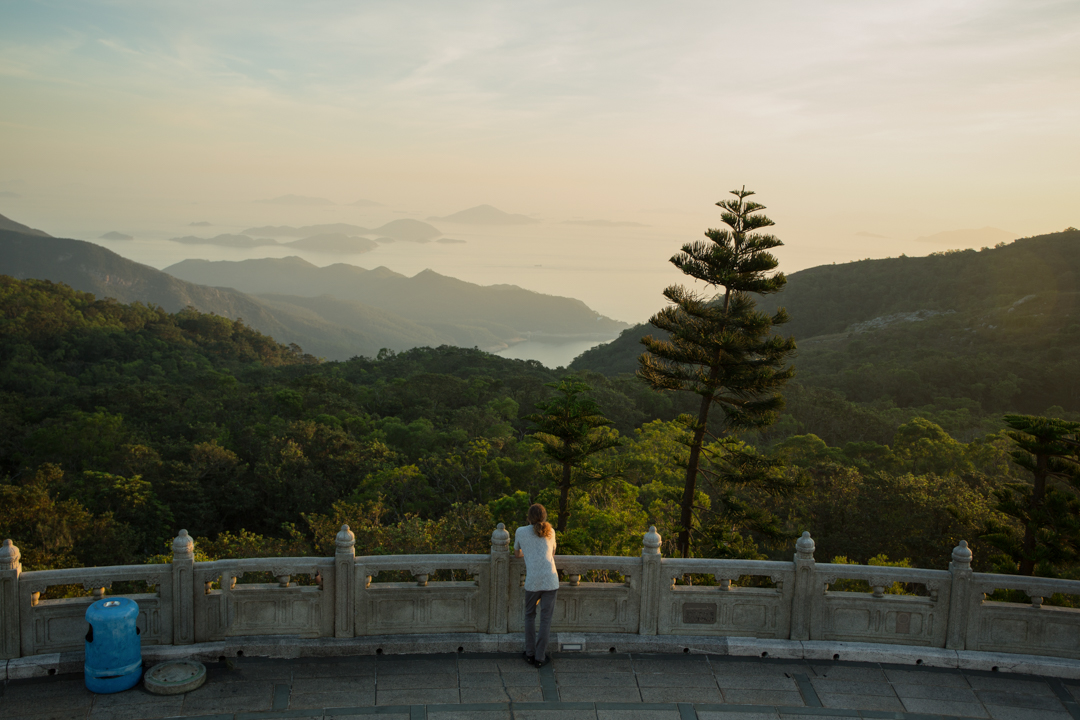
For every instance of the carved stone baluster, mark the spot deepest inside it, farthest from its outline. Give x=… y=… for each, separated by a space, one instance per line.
x=651 y=562
x=10 y=569
x=804 y=598
x=183 y=599
x=499 y=591
x=344 y=593
x=959 y=597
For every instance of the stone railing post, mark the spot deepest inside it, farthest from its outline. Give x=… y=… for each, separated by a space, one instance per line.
x=802 y=599
x=10 y=569
x=183 y=599
x=650 y=582
x=959 y=597
x=499 y=592
x=344 y=594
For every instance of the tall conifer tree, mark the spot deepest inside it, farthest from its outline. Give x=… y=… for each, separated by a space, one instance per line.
x=1049 y=506
x=720 y=346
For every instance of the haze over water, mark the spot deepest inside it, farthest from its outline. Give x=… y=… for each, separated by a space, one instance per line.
x=862 y=126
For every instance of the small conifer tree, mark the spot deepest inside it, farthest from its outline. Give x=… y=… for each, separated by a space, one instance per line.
x=720 y=346
x=571 y=428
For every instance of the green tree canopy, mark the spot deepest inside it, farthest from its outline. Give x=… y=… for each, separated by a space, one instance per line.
x=571 y=428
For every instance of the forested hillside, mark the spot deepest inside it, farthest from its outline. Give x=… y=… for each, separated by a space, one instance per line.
x=123 y=423
x=958 y=337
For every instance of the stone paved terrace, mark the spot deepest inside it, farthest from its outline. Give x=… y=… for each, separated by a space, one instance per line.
x=499 y=686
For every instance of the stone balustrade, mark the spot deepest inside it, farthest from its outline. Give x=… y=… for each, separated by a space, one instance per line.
x=188 y=602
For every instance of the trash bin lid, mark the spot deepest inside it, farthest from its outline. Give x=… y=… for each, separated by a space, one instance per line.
x=113 y=609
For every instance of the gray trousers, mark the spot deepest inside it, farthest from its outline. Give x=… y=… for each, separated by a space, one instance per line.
x=536 y=640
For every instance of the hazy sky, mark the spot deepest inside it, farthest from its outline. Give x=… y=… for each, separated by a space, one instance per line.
x=897 y=119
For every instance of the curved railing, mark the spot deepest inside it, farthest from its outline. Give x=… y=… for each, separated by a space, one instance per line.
x=188 y=602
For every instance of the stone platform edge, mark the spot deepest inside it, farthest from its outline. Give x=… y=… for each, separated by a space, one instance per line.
x=594 y=644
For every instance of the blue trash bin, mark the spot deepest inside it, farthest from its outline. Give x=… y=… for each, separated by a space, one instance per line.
x=113 y=654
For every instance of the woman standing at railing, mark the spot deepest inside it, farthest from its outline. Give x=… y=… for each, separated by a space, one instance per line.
x=536 y=543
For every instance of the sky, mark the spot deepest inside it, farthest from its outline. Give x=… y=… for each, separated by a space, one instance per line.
x=862 y=125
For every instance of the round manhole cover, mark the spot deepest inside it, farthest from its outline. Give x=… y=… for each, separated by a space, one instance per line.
x=175 y=677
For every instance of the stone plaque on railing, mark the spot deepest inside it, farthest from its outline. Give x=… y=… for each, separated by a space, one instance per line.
x=699 y=614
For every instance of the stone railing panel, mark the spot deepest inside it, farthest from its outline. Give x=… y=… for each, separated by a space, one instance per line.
x=422 y=606
x=725 y=609
x=877 y=616
x=276 y=608
x=49 y=626
x=1030 y=628
x=581 y=606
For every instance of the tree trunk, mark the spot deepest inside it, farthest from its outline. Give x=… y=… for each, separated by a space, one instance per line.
x=1038 y=493
x=687 y=516
x=564 y=497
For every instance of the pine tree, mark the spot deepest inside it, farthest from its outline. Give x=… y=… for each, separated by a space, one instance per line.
x=570 y=427
x=1049 y=506
x=720 y=346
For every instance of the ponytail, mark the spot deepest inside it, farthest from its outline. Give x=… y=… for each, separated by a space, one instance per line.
x=538 y=519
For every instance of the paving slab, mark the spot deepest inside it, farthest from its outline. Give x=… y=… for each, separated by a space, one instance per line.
x=520 y=694
x=852 y=673
x=680 y=695
x=1011 y=684
x=410 y=682
x=592 y=693
x=614 y=664
x=336 y=684
x=643 y=714
x=941 y=678
x=737 y=715
x=485 y=714
x=484 y=695
x=615 y=680
x=768 y=682
x=687 y=664
x=479 y=680
x=1014 y=713
x=852 y=687
x=676 y=680
x=344 y=698
x=1012 y=699
x=756 y=696
x=944 y=707
x=935 y=692
x=418 y=696
x=884 y=703
x=553 y=714
x=524 y=678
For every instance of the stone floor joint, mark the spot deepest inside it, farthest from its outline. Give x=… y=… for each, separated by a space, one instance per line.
x=806 y=688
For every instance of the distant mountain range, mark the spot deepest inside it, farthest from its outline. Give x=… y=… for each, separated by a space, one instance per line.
x=8 y=224
x=486 y=215
x=294 y=307
x=428 y=297
x=114 y=235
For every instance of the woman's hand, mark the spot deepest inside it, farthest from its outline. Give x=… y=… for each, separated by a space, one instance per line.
x=519 y=553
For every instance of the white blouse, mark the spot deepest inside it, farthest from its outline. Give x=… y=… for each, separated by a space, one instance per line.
x=539 y=553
